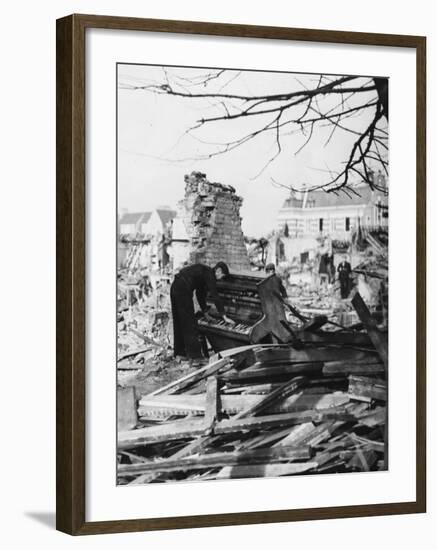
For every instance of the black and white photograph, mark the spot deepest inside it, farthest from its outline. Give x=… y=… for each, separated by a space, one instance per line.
x=252 y=273
x=218 y=295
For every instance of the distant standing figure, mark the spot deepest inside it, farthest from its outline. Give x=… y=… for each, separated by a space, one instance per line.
x=344 y=271
x=331 y=269
x=280 y=288
x=324 y=269
x=200 y=279
x=144 y=285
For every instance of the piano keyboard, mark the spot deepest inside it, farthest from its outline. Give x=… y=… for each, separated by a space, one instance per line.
x=239 y=328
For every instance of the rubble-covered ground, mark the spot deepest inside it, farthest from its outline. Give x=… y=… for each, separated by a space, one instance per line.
x=318 y=405
x=145 y=356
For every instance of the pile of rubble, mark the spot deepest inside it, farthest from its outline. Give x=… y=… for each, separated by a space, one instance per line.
x=144 y=328
x=316 y=406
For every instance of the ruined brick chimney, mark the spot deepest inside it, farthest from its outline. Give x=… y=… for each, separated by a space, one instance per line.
x=209 y=222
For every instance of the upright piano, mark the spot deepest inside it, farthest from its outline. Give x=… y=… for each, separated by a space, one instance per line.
x=251 y=300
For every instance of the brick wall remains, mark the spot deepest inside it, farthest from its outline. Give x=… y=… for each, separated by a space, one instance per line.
x=211 y=216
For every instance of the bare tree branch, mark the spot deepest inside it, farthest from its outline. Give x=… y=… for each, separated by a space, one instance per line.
x=289 y=113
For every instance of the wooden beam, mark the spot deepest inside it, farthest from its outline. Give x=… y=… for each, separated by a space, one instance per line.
x=297 y=434
x=312 y=354
x=217 y=460
x=265 y=438
x=186 y=429
x=162 y=406
x=269 y=372
x=193 y=377
x=373 y=366
x=127 y=416
x=265 y=470
x=164 y=432
x=195 y=446
x=273 y=397
x=222 y=361
x=379 y=340
x=377 y=417
x=352 y=338
x=363 y=386
x=278 y=420
x=212 y=405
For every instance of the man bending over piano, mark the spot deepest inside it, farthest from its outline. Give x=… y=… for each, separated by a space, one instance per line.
x=200 y=279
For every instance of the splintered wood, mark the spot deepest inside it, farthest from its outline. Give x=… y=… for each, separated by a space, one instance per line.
x=267 y=410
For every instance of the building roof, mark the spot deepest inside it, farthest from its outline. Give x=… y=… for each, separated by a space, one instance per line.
x=321 y=198
x=166 y=215
x=146 y=217
x=293 y=202
x=315 y=199
x=135 y=217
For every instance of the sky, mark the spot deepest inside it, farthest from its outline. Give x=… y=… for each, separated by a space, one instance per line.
x=155 y=151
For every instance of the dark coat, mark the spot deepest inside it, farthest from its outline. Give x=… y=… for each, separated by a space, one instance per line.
x=200 y=279
x=278 y=285
x=344 y=270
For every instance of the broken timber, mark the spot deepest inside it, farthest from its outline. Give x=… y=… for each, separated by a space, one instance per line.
x=249 y=405
x=276 y=395
x=378 y=339
x=242 y=405
x=380 y=342
x=184 y=429
x=265 y=470
x=194 y=377
x=212 y=406
x=217 y=460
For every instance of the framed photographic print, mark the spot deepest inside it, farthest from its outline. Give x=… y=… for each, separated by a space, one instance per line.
x=240 y=274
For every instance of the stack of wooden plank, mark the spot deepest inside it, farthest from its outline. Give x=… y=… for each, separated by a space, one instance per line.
x=266 y=410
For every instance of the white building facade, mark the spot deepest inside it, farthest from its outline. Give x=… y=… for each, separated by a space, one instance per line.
x=314 y=213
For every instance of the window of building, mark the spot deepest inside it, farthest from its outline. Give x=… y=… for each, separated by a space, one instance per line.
x=320 y=224
x=347 y=224
x=280 y=251
x=379 y=212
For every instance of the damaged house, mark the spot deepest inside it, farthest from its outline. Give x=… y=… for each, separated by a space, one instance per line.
x=144 y=237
